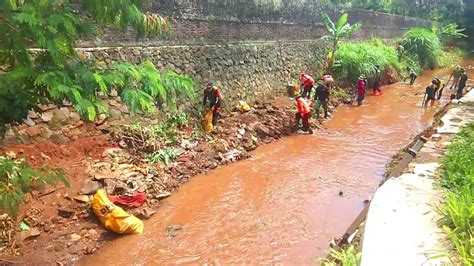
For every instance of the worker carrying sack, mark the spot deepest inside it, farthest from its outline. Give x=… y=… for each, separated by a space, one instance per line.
x=113 y=217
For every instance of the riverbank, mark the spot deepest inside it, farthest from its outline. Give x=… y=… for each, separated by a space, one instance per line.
x=60 y=219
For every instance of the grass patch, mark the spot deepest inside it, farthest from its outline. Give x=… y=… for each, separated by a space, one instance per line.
x=362 y=58
x=458 y=209
x=348 y=256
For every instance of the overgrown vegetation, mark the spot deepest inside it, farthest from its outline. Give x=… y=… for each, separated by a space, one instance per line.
x=337 y=32
x=458 y=209
x=426 y=46
x=17 y=179
x=423 y=45
x=145 y=139
x=362 y=58
x=348 y=256
x=54 y=73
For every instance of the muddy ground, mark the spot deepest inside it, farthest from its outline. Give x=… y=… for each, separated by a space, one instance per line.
x=62 y=225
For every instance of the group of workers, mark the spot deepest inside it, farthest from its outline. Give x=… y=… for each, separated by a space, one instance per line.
x=303 y=99
x=212 y=96
x=434 y=91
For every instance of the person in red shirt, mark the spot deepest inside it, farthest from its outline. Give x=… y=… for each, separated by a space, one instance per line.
x=361 y=90
x=307 y=83
x=304 y=114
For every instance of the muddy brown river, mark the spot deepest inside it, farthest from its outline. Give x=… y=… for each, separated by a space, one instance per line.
x=282 y=206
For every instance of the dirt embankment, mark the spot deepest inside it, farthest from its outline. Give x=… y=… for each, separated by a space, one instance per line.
x=63 y=228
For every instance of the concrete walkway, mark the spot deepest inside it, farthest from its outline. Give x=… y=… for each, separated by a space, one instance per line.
x=402 y=223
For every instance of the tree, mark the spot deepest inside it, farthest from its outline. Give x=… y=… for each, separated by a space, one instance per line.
x=53 y=72
x=337 y=32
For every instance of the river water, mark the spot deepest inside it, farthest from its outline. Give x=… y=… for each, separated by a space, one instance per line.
x=282 y=206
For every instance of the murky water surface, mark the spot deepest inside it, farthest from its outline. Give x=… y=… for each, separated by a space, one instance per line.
x=283 y=205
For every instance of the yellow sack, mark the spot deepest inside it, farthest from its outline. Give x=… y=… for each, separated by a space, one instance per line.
x=242 y=107
x=113 y=217
x=296 y=89
x=207 y=121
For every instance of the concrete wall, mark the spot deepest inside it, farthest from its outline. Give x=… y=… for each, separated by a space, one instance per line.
x=224 y=21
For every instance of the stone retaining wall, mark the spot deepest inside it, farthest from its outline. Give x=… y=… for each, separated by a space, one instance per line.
x=250 y=48
x=250 y=71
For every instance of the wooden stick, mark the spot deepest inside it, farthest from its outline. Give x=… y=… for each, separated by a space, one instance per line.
x=50 y=192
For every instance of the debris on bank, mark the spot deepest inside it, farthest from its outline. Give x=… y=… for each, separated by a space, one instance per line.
x=133 y=179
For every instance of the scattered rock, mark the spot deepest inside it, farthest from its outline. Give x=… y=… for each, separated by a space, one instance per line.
x=115 y=114
x=90 y=187
x=32 y=114
x=82 y=198
x=29 y=121
x=100 y=119
x=173 y=230
x=188 y=144
x=59 y=139
x=33 y=131
x=44 y=108
x=262 y=130
x=163 y=195
x=47 y=116
x=341 y=193
x=113 y=93
x=26 y=235
x=89 y=250
x=79 y=123
x=146 y=213
x=74 y=237
x=93 y=232
x=46 y=133
x=63 y=113
x=66 y=212
x=103 y=127
x=110 y=186
x=112 y=152
x=124 y=109
x=75 y=117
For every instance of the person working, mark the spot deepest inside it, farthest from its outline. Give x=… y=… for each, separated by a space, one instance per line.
x=430 y=93
x=211 y=100
x=462 y=83
x=303 y=113
x=412 y=76
x=377 y=82
x=456 y=75
x=307 y=83
x=361 y=90
x=322 y=97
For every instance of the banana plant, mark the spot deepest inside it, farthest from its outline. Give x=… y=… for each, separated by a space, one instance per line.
x=336 y=33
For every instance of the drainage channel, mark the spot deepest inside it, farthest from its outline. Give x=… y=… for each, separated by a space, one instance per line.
x=286 y=203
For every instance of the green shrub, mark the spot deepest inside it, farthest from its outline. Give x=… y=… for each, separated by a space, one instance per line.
x=355 y=59
x=458 y=209
x=346 y=257
x=164 y=155
x=17 y=178
x=424 y=45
